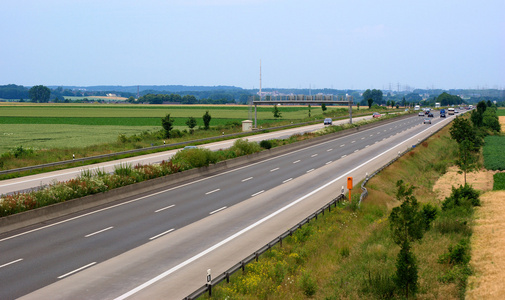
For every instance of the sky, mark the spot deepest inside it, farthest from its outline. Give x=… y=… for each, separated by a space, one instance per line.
x=441 y=44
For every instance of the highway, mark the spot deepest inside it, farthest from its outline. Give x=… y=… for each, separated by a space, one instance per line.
x=158 y=244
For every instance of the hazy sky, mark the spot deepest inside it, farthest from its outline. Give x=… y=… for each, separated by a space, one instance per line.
x=319 y=44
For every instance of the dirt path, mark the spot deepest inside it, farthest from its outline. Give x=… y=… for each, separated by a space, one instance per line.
x=488 y=239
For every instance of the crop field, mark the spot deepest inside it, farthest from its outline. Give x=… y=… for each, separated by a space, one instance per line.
x=47 y=136
x=500 y=112
x=62 y=125
x=152 y=111
x=493 y=153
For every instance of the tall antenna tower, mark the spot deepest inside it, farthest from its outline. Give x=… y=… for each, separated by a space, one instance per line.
x=138 y=91
x=260 y=79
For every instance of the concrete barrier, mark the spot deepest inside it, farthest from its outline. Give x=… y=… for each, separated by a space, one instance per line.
x=44 y=214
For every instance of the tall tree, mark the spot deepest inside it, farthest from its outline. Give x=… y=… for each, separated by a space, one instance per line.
x=370 y=102
x=323 y=107
x=407 y=225
x=167 y=124
x=467 y=160
x=277 y=113
x=461 y=130
x=39 y=93
x=206 y=120
x=191 y=122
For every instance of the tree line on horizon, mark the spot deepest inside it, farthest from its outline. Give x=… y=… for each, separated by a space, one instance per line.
x=241 y=96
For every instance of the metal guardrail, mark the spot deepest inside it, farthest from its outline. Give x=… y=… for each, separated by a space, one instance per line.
x=207 y=288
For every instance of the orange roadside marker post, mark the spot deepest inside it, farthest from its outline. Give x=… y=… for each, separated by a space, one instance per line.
x=349 y=186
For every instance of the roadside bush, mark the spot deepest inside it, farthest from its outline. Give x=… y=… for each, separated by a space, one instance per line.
x=20 y=152
x=123 y=170
x=458 y=254
x=379 y=284
x=308 y=284
x=464 y=196
x=244 y=147
x=452 y=224
x=429 y=213
x=176 y=133
x=266 y=144
x=194 y=158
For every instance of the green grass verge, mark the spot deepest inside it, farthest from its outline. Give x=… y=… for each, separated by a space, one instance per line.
x=493 y=151
x=349 y=254
x=499 y=181
x=500 y=111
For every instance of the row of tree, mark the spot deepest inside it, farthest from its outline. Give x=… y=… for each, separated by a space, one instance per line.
x=168 y=123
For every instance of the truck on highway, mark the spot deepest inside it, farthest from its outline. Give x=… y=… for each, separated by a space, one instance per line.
x=451 y=110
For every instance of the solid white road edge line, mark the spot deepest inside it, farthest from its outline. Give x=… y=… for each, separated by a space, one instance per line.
x=76 y=270
x=248 y=228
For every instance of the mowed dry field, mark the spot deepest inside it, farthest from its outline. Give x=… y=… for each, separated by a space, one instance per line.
x=488 y=239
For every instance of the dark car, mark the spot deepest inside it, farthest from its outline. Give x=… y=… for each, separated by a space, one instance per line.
x=327 y=121
x=430 y=115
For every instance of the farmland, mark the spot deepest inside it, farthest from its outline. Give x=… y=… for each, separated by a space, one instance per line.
x=48 y=126
x=493 y=152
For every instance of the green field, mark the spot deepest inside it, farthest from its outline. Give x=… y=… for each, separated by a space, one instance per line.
x=151 y=111
x=500 y=111
x=63 y=125
x=494 y=159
